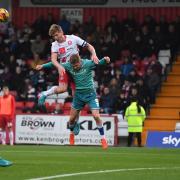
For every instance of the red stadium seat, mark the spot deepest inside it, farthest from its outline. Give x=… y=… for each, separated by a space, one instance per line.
x=20 y=106
x=29 y=104
x=67 y=106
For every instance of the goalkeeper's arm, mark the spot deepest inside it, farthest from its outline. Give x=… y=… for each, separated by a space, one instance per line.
x=48 y=65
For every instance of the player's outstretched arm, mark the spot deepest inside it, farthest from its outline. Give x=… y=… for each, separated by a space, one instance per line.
x=105 y=60
x=44 y=66
x=60 y=68
x=93 y=53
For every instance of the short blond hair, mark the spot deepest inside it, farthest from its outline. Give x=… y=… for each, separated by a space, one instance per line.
x=74 y=59
x=54 y=28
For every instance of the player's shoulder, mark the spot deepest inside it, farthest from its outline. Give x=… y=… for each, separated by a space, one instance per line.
x=54 y=43
x=71 y=36
x=66 y=64
x=87 y=61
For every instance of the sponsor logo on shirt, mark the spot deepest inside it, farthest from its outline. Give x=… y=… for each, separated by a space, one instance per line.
x=62 y=50
x=69 y=42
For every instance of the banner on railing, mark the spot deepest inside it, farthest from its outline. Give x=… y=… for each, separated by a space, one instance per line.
x=51 y=129
x=163 y=139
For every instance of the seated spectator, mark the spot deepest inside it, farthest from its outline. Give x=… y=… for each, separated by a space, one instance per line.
x=143 y=93
x=65 y=24
x=120 y=104
x=133 y=93
x=126 y=87
x=133 y=77
x=106 y=101
x=35 y=61
x=31 y=93
x=119 y=77
x=38 y=45
x=126 y=67
x=25 y=46
x=153 y=81
x=114 y=87
x=57 y=109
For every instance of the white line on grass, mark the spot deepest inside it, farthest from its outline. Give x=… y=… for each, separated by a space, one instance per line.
x=103 y=171
x=84 y=152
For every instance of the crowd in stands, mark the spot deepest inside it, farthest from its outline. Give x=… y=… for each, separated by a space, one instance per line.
x=132 y=46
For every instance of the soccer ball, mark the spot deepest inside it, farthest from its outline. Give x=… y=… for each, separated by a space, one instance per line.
x=4 y=15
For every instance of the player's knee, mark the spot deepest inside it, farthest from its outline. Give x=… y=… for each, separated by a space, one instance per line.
x=61 y=89
x=72 y=119
x=96 y=116
x=9 y=125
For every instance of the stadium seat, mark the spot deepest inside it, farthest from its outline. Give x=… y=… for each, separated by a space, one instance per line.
x=67 y=106
x=164 y=57
x=29 y=104
x=165 y=53
x=14 y=93
x=163 y=60
x=20 y=106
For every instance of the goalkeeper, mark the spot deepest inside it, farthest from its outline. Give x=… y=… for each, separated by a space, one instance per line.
x=85 y=93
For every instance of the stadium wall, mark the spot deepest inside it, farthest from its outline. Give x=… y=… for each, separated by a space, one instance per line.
x=102 y=15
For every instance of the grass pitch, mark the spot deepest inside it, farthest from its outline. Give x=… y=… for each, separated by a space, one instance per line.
x=91 y=163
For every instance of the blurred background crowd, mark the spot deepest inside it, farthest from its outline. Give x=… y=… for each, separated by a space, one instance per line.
x=132 y=46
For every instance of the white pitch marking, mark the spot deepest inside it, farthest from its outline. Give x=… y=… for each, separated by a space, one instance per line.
x=103 y=171
x=87 y=152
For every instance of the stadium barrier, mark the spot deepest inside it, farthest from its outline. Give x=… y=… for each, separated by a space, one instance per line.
x=53 y=130
x=163 y=139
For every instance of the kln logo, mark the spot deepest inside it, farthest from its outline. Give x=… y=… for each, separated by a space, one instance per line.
x=89 y=125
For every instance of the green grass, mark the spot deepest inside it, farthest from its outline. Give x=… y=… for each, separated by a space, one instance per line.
x=41 y=161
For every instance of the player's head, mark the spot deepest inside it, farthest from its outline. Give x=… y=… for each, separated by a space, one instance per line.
x=56 y=32
x=5 y=90
x=75 y=61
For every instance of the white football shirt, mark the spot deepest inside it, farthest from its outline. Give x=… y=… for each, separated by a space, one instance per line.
x=68 y=47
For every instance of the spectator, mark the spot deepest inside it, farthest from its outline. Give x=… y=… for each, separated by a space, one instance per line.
x=39 y=26
x=114 y=87
x=114 y=25
x=25 y=46
x=133 y=77
x=106 y=101
x=31 y=93
x=14 y=45
x=143 y=94
x=130 y=21
x=119 y=77
x=89 y=26
x=65 y=24
x=38 y=45
x=126 y=87
x=126 y=67
x=153 y=81
x=120 y=104
x=58 y=109
x=35 y=61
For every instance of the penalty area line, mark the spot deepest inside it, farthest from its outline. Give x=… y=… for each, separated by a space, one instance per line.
x=103 y=171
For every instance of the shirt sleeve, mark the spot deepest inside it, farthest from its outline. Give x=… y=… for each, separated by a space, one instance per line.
x=66 y=66
x=54 y=48
x=79 y=41
x=48 y=65
x=13 y=106
x=92 y=65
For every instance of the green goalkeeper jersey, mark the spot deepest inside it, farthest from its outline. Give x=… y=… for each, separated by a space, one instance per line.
x=83 y=78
